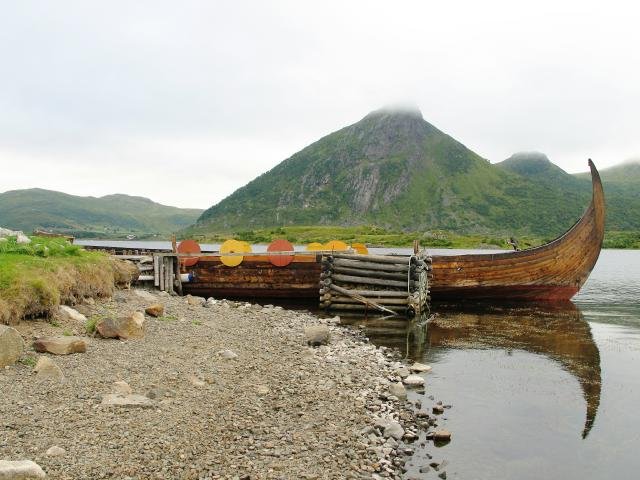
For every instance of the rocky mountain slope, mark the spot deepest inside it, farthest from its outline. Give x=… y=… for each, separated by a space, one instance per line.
x=394 y=169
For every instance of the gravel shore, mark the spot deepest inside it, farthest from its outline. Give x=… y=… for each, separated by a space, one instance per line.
x=230 y=390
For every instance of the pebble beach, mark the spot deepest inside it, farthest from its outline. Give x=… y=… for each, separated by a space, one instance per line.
x=212 y=389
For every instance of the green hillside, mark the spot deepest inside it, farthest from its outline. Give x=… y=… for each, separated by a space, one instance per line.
x=109 y=216
x=395 y=170
x=622 y=190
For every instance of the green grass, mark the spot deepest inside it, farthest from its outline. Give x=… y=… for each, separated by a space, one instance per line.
x=372 y=236
x=90 y=324
x=28 y=361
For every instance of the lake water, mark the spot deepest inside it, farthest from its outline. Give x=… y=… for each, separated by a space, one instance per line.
x=536 y=393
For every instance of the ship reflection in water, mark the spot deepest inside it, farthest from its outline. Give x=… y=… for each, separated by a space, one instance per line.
x=560 y=334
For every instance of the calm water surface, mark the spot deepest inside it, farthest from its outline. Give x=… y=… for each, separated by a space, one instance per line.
x=536 y=393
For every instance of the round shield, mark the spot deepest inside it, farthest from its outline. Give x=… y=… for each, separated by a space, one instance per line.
x=336 y=245
x=360 y=248
x=315 y=247
x=233 y=246
x=189 y=246
x=280 y=245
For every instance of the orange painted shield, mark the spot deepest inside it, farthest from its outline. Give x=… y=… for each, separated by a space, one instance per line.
x=336 y=245
x=361 y=248
x=280 y=245
x=189 y=246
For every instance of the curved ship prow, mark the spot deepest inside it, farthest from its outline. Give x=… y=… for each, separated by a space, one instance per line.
x=554 y=271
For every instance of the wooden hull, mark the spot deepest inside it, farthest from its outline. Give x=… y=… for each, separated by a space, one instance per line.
x=256 y=277
x=552 y=272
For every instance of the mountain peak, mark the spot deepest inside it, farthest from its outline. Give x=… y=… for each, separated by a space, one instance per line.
x=399 y=110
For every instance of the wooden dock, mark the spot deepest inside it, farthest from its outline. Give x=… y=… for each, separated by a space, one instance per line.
x=339 y=281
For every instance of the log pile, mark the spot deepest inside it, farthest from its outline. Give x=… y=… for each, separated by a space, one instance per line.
x=385 y=283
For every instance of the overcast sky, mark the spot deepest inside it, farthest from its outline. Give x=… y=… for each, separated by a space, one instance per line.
x=183 y=102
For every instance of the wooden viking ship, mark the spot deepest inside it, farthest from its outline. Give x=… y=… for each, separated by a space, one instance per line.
x=551 y=272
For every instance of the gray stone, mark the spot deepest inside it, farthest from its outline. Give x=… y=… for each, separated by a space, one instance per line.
x=55 y=451
x=393 y=430
x=46 y=369
x=402 y=372
x=397 y=389
x=68 y=313
x=195 y=301
x=420 y=368
x=414 y=381
x=317 y=335
x=11 y=345
x=122 y=388
x=130 y=401
x=20 y=470
x=227 y=354
x=60 y=345
x=145 y=295
x=128 y=326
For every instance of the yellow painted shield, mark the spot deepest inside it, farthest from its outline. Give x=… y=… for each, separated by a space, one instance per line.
x=233 y=246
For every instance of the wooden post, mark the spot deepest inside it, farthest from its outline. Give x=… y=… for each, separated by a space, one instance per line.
x=178 y=280
x=156 y=271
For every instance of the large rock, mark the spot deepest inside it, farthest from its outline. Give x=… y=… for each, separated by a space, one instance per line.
x=317 y=335
x=11 y=345
x=397 y=389
x=68 y=313
x=60 y=345
x=46 y=369
x=129 y=326
x=155 y=310
x=20 y=470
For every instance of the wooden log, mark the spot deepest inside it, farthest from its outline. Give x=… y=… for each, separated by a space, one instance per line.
x=368 y=281
x=362 y=307
x=360 y=298
x=145 y=278
x=372 y=273
x=376 y=293
x=384 y=267
x=381 y=301
x=392 y=259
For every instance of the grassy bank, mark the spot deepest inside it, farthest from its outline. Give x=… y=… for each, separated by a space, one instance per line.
x=37 y=277
x=370 y=235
